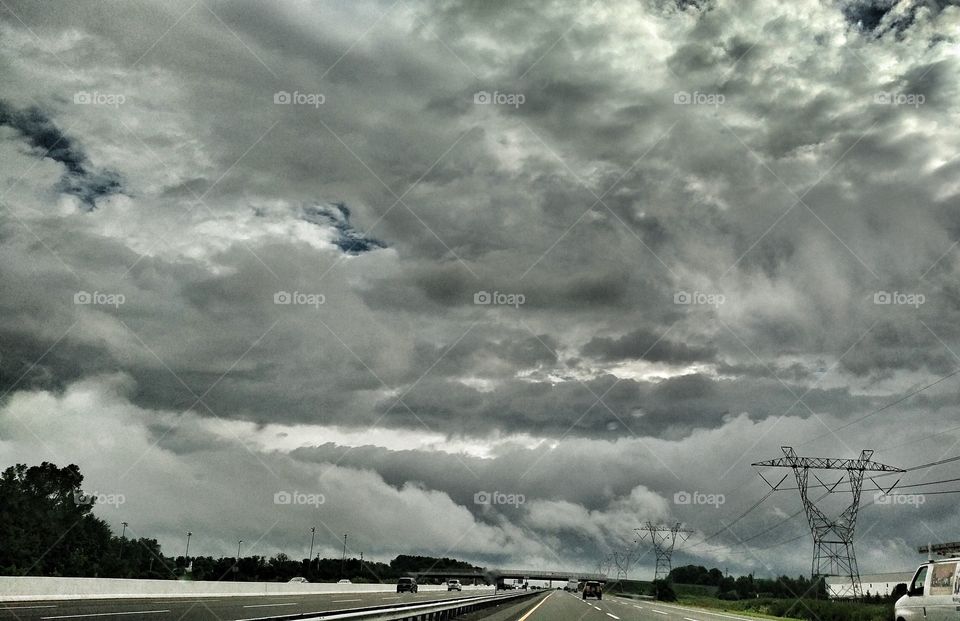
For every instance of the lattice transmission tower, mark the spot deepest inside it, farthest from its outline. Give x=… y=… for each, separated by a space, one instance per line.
x=664 y=539
x=624 y=560
x=833 y=553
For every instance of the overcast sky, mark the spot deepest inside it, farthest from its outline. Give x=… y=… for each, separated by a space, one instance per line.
x=397 y=254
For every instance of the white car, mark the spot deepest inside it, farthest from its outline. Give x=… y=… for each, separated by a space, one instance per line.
x=298 y=580
x=344 y=581
x=454 y=585
x=931 y=594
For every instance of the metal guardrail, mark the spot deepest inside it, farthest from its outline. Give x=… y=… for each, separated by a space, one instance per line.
x=412 y=611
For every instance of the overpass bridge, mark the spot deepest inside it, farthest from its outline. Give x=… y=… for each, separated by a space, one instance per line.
x=498 y=575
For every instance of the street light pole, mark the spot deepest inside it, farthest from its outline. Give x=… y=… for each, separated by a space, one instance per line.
x=313 y=534
x=123 y=537
x=186 y=555
x=236 y=566
x=343 y=557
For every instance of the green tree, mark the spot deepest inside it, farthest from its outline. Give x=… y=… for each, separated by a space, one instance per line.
x=46 y=524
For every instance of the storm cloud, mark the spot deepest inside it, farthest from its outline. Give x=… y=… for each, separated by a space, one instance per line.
x=402 y=254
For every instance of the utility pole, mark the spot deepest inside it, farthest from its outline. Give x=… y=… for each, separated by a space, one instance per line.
x=123 y=537
x=664 y=539
x=343 y=557
x=833 y=553
x=236 y=566
x=186 y=554
x=313 y=534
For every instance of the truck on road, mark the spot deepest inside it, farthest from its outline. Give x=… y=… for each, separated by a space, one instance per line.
x=933 y=594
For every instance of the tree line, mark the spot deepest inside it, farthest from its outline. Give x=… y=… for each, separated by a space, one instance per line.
x=47 y=528
x=750 y=587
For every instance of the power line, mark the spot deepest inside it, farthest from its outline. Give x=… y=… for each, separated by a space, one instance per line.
x=730 y=525
x=886 y=407
x=933 y=435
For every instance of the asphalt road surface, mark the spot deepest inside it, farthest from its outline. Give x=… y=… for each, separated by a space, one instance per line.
x=220 y=608
x=561 y=606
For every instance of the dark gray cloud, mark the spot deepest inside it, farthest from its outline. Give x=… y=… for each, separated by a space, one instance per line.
x=598 y=297
x=46 y=139
x=337 y=215
x=646 y=345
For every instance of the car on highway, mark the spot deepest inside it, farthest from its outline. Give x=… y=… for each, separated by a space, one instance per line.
x=454 y=585
x=344 y=581
x=298 y=580
x=571 y=586
x=406 y=585
x=592 y=589
x=932 y=594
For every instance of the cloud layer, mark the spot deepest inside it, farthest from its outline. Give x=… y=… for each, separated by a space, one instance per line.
x=402 y=254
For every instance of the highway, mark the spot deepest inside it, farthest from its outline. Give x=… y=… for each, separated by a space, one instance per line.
x=550 y=606
x=561 y=606
x=220 y=608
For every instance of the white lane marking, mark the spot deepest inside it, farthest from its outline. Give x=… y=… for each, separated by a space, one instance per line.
x=109 y=614
x=705 y=612
x=613 y=616
x=340 y=601
x=689 y=619
x=23 y=607
x=534 y=609
x=398 y=597
x=659 y=612
x=597 y=607
x=182 y=601
x=265 y=605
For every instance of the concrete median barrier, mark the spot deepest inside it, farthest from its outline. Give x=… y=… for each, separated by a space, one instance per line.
x=14 y=588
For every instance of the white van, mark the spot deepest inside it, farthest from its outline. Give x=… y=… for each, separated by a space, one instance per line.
x=933 y=594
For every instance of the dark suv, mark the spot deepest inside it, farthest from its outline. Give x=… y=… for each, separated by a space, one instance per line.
x=592 y=589
x=406 y=584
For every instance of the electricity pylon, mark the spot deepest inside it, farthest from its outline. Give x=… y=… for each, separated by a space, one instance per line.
x=623 y=561
x=664 y=538
x=833 y=553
